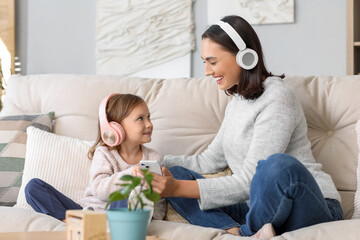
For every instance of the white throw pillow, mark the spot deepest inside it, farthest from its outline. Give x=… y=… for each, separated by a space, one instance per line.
x=357 y=194
x=58 y=160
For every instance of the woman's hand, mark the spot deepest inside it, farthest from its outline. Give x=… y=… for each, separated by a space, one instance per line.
x=164 y=185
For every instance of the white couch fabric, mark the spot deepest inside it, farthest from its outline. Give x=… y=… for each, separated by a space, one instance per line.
x=187 y=113
x=357 y=194
x=58 y=160
x=22 y=220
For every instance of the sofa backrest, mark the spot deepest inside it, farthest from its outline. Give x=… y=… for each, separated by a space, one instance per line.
x=187 y=113
x=332 y=108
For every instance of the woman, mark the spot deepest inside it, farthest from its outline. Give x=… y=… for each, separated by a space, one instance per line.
x=276 y=185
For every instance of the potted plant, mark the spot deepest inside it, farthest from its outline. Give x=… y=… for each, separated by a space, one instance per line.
x=131 y=223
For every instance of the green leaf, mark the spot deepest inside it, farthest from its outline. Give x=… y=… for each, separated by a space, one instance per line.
x=115 y=196
x=136 y=181
x=126 y=190
x=144 y=171
x=149 y=177
x=123 y=184
x=132 y=183
x=127 y=178
x=151 y=195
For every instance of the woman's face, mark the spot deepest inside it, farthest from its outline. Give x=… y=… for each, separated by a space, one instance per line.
x=220 y=64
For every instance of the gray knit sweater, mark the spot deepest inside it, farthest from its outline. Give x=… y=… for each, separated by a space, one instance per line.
x=251 y=131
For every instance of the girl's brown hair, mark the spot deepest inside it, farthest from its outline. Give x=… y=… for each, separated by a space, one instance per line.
x=250 y=84
x=118 y=107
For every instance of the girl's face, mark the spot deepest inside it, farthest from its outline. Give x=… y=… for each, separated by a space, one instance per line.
x=137 y=125
x=220 y=64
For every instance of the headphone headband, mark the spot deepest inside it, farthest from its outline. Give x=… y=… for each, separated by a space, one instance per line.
x=230 y=31
x=246 y=58
x=102 y=109
x=112 y=133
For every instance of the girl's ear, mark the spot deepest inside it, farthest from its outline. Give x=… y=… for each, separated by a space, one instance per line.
x=111 y=133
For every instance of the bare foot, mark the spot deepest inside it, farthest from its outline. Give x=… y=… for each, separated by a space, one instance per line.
x=266 y=232
x=233 y=231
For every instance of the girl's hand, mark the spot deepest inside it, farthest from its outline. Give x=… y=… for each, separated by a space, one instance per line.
x=164 y=185
x=136 y=171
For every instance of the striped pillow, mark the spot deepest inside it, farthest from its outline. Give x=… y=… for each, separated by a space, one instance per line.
x=58 y=160
x=12 y=151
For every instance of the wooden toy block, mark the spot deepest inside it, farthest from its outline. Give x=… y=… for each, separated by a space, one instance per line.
x=85 y=225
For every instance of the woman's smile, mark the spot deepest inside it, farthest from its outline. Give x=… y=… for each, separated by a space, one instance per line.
x=218 y=79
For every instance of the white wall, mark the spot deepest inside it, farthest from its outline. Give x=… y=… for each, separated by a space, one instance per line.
x=59 y=37
x=314 y=45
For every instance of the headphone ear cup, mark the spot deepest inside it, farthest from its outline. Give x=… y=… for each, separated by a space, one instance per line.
x=247 y=58
x=119 y=131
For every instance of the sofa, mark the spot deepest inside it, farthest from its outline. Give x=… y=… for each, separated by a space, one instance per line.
x=186 y=114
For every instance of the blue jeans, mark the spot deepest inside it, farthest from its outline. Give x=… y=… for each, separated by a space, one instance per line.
x=44 y=198
x=282 y=192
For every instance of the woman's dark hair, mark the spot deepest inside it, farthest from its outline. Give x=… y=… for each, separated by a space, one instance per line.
x=250 y=84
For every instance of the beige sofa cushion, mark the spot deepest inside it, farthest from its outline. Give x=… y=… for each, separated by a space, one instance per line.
x=186 y=113
x=58 y=160
x=331 y=106
x=357 y=194
x=20 y=220
x=346 y=229
x=181 y=231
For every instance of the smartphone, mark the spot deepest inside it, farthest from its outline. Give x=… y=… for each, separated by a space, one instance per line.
x=152 y=165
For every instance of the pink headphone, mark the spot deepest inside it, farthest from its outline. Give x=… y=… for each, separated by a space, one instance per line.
x=112 y=133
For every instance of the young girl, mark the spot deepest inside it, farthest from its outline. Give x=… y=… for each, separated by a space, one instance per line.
x=276 y=186
x=124 y=126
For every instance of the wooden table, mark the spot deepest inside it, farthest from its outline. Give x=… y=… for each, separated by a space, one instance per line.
x=50 y=235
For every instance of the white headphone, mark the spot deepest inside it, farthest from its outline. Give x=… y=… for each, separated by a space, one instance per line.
x=246 y=57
